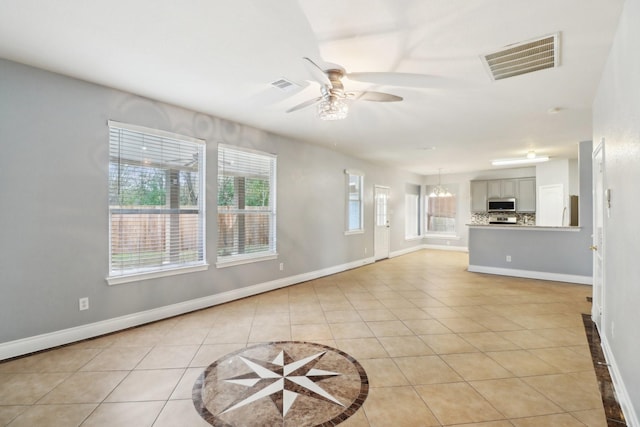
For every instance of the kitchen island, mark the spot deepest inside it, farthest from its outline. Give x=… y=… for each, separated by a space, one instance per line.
x=538 y=252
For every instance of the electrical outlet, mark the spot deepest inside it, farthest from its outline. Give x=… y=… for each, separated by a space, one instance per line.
x=281 y=266
x=365 y=251
x=508 y=258
x=83 y=304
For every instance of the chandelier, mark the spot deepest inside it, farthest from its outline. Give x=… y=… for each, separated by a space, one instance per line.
x=439 y=190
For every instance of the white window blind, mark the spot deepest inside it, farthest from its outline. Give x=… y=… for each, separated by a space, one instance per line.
x=246 y=204
x=156 y=201
x=441 y=212
x=354 y=201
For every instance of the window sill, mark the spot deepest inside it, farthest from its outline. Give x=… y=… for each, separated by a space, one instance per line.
x=136 y=277
x=245 y=260
x=442 y=236
x=349 y=233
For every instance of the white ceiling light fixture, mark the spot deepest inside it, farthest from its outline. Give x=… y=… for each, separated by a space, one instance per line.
x=530 y=158
x=332 y=109
x=439 y=190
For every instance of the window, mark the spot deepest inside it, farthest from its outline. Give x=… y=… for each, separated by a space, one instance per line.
x=156 y=203
x=412 y=211
x=246 y=205
x=354 y=202
x=441 y=212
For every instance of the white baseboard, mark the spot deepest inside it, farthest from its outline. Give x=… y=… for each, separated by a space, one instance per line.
x=41 y=342
x=425 y=246
x=78 y=333
x=622 y=395
x=447 y=248
x=528 y=274
x=394 y=254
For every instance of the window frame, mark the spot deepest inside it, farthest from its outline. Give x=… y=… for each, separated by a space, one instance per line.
x=141 y=272
x=352 y=173
x=428 y=233
x=271 y=210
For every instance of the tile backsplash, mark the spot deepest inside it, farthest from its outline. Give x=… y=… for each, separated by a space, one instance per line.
x=521 y=218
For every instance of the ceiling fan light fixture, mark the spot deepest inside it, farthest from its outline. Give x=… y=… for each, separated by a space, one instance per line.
x=334 y=109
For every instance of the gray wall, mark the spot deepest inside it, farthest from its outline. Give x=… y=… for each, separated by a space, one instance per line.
x=54 y=212
x=616 y=119
x=548 y=251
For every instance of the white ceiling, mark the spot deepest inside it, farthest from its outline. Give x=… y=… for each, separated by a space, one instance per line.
x=219 y=57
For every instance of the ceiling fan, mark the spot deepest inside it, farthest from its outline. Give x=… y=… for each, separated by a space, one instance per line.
x=331 y=102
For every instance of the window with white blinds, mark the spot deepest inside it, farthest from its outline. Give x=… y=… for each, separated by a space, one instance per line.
x=354 y=201
x=246 y=205
x=441 y=212
x=156 y=203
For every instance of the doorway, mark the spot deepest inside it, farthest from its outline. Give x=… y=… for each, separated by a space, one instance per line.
x=551 y=205
x=382 y=224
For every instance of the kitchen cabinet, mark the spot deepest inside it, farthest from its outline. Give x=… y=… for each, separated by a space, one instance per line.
x=501 y=188
x=494 y=189
x=509 y=188
x=523 y=189
x=526 y=195
x=478 y=196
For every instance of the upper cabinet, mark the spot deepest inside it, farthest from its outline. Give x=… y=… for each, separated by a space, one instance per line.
x=478 y=196
x=526 y=198
x=494 y=189
x=501 y=188
x=523 y=189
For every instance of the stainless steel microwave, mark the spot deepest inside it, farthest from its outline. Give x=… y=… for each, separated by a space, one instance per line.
x=501 y=205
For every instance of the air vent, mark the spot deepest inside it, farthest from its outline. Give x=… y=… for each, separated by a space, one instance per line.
x=285 y=85
x=525 y=57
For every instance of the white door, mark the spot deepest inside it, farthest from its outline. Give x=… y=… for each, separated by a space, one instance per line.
x=597 y=313
x=382 y=224
x=551 y=207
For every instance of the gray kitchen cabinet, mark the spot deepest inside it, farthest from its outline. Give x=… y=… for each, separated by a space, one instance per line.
x=494 y=189
x=501 y=188
x=508 y=188
x=523 y=189
x=478 y=196
x=526 y=195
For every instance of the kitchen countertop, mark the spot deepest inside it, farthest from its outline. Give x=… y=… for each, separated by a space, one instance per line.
x=524 y=227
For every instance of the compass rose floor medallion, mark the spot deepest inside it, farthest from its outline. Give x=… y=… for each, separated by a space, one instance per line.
x=285 y=383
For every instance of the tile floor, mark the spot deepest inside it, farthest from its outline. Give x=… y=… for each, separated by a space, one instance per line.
x=441 y=346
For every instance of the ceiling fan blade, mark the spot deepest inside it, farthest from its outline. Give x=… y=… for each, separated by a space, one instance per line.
x=401 y=79
x=317 y=72
x=304 y=104
x=376 y=96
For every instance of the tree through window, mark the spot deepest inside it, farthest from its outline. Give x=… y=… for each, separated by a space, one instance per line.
x=156 y=187
x=246 y=204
